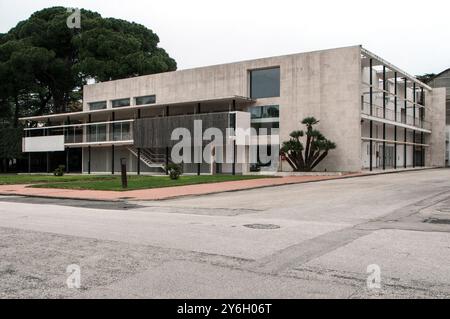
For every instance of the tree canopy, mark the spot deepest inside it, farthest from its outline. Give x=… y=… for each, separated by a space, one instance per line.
x=425 y=78
x=44 y=64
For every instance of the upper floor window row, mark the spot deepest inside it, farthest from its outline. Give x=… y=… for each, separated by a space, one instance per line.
x=140 y=100
x=265 y=83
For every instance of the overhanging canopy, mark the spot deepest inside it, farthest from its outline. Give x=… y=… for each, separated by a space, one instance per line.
x=84 y=114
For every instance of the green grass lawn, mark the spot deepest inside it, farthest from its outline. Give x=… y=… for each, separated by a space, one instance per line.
x=139 y=182
x=9 y=179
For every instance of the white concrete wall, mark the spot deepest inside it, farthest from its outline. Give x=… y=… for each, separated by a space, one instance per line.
x=447 y=145
x=324 y=84
x=436 y=104
x=43 y=143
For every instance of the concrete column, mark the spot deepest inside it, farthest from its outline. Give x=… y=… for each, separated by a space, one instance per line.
x=436 y=100
x=138 y=164
x=112 y=146
x=89 y=159
x=414 y=149
x=404 y=149
x=167 y=148
x=200 y=150
x=139 y=161
x=395 y=119
x=89 y=147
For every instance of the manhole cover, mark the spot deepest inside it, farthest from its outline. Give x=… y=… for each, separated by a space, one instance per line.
x=262 y=226
x=437 y=221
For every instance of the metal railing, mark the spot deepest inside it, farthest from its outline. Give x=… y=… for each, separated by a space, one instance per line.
x=389 y=114
x=101 y=132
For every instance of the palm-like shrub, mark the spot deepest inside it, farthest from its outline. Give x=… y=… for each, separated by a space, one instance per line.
x=306 y=158
x=174 y=171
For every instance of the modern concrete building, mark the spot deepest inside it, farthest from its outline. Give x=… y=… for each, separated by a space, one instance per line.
x=379 y=116
x=442 y=80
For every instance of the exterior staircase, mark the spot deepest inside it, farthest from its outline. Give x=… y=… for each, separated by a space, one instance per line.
x=150 y=157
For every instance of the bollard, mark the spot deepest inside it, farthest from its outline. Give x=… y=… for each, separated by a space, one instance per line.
x=123 y=167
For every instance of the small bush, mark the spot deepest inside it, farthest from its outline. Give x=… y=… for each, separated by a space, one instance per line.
x=59 y=171
x=174 y=171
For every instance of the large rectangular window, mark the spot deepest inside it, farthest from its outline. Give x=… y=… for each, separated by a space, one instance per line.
x=97 y=105
x=121 y=102
x=265 y=83
x=149 y=99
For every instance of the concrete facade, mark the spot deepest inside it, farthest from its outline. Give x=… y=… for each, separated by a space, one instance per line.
x=328 y=84
x=437 y=139
x=442 y=80
x=323 y=84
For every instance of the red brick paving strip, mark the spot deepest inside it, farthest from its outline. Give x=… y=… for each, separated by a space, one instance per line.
x=162 y=193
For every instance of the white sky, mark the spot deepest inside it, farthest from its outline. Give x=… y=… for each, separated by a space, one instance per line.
x=413 y=35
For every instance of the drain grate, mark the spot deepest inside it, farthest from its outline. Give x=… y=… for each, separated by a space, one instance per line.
x=437 y=221
x=262 y=226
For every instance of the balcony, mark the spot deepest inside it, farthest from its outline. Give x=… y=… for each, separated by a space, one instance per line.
x=56 y=138
x=400 y=117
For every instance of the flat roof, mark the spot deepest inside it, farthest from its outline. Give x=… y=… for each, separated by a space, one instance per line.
x=83 y=114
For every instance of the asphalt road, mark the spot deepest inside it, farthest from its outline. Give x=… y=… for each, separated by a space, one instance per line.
x=297 y=241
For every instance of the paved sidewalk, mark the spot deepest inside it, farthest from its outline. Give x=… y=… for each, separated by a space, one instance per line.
x=162 y=193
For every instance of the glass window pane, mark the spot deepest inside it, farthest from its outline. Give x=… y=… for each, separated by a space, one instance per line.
x=265 y=83
x=270 y=111
x=101 y=133
x=117 y=130
x=149 y=99
x=97 y=105
x=255 y=112
x=121 y=103
x=126 y=131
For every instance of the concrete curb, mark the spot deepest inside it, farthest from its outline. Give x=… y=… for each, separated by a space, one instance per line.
x=332 y=178
x=64 y=197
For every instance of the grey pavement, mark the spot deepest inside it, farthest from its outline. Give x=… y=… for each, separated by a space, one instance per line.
x=304 y=241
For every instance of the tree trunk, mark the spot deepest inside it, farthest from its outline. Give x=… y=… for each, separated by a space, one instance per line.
x=313 y=158
x=308 y=145
x=59 y=101
x=43 y=101
x=4 y=165
x=292 y=163
x=321 y=157
x=16 y=110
